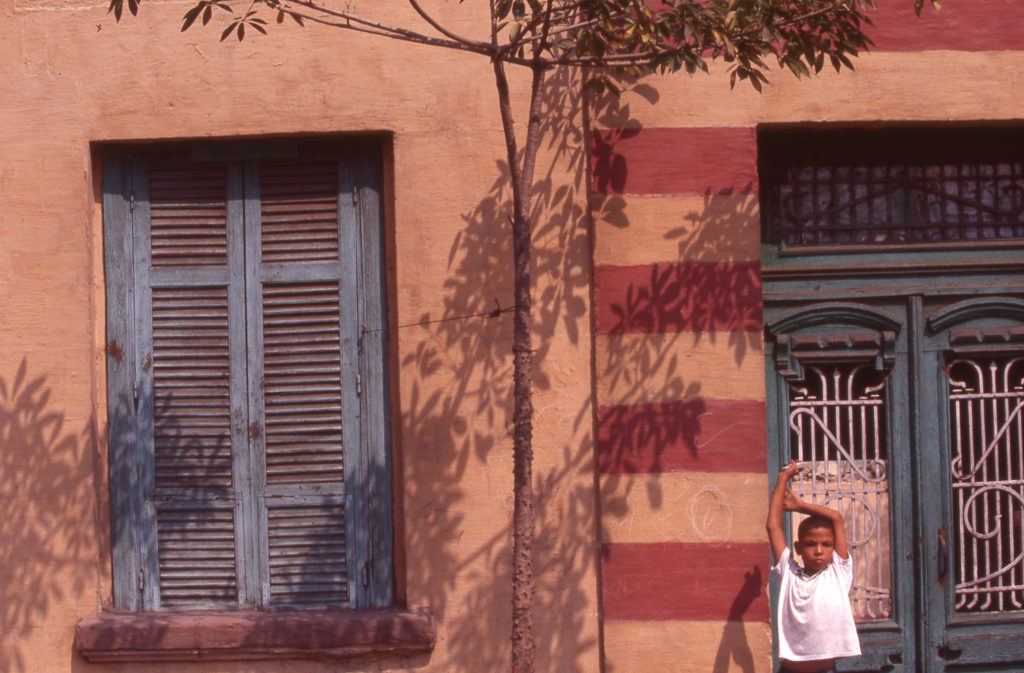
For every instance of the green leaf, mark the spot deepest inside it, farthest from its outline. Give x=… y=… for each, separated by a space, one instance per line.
x=518 y=10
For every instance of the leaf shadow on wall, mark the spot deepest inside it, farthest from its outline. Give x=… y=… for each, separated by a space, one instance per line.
x=46 y=508
x=658 y=412
x=456 y=420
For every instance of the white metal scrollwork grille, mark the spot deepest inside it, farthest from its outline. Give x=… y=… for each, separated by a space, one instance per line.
x=838 y=436
x=986 y=399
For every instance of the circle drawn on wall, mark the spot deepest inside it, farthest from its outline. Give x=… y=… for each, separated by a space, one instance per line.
x=711 y=513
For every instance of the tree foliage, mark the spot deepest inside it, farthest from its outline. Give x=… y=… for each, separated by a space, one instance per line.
x=631 y=37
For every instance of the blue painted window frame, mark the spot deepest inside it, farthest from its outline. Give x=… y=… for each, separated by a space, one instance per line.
x=359 y=272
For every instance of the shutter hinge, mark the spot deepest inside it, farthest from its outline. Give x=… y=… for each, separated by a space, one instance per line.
x=142 y=580
x=359 y=354
x=131 y=202
x=366 y=575
x=135 y=395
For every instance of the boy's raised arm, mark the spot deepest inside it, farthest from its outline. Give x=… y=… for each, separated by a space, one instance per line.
x=776 y=534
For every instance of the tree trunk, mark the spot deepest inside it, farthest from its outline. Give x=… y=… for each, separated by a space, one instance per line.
x=523 y=645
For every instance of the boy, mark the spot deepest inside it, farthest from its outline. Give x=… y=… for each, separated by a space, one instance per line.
x=815 y=620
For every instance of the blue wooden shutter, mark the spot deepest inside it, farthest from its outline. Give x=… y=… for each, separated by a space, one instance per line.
x=315 y=293
x=295 y=309
x=175 y=388
x=247 y=396
x=191 y=217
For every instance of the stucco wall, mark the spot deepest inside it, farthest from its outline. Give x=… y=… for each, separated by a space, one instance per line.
x=680 y=365
x=72 y=80
x=677 y=559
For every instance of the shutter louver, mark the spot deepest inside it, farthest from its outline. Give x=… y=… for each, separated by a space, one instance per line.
x=307 y=553
x=302 y=383
x=188 y=223
x=299 y=211
x=192 y=445
x=197 y=554
x=191 y=389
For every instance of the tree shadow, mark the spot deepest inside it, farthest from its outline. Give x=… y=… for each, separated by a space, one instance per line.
x=456 y=419
x=456 y=423
x=47 y=558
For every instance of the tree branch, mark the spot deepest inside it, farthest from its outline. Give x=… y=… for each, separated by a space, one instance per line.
x=362 y=25
x=441 y=29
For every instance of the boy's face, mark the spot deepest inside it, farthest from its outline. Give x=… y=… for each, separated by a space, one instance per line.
x=815 y=548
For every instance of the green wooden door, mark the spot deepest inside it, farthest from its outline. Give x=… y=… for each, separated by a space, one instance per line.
x=972 y=527
x=906 y=411
x=893 y=284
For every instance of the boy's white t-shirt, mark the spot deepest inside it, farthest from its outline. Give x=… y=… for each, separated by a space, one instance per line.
x=815 y=619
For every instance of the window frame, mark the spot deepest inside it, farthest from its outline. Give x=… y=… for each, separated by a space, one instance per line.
x=368 y=462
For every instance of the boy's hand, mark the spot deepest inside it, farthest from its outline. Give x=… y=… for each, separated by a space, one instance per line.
x=782 y=499
x=791 y=502
x=789 y=471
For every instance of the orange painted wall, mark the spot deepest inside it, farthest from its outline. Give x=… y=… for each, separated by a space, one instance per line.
x=649 y=439
x=71 y=80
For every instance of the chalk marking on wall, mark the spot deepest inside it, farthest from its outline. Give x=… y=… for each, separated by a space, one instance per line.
x=711 y=513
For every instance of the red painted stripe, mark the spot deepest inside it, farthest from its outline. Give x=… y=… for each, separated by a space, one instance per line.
x=675 y=161
x=686 y=581
x=678 y=297
x=961 y=25
x=704 y=435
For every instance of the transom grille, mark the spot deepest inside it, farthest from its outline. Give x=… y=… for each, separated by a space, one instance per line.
x=850 y=187
x=900 y=204
x=838 y=437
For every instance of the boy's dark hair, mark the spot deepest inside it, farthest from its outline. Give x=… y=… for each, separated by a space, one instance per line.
x=814 y=521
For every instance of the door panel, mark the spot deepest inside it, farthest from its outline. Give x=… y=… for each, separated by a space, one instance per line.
x=974 y=584
x=907 y=415
x=840 y=372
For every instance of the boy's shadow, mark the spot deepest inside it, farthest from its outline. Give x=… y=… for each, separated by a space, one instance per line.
x=734 y=645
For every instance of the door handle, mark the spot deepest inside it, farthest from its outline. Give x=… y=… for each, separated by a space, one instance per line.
x=949 y=653
x=943 y=555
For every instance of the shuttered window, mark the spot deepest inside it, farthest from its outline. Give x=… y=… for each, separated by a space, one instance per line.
x=246 y=376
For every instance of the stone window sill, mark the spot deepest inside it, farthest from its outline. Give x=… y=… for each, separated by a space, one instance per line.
x=226 y=635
